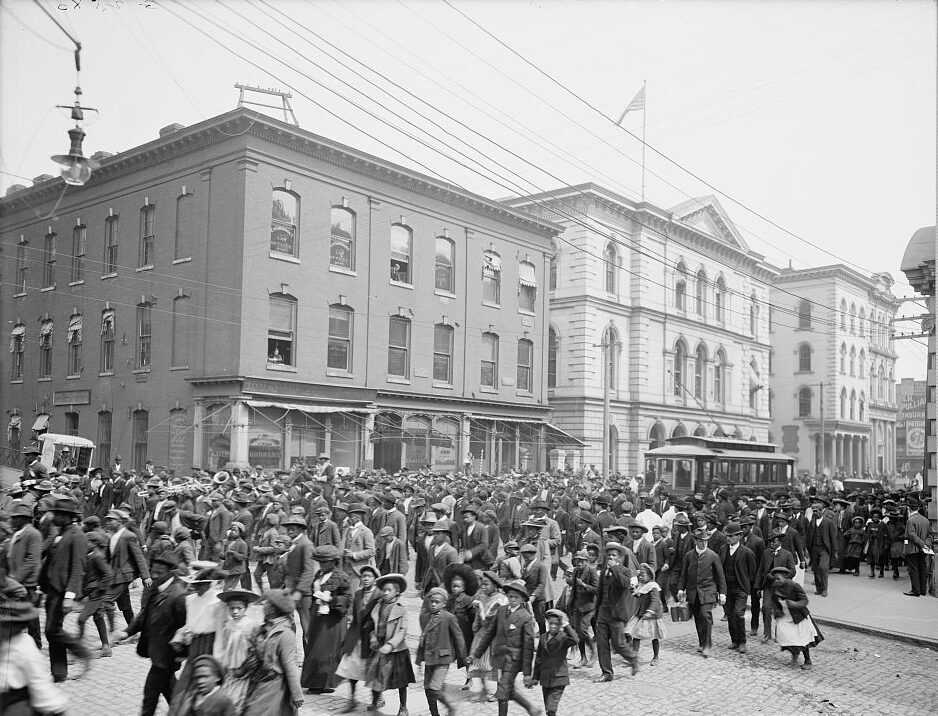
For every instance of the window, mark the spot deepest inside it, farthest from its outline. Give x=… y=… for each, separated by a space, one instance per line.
x=701 y=289
x=443 y=353
x=755 y=384
x=491 y=278
x=281 y=331
x=79 y=246
x=719 y=300
x=185 y=226
x=144 y=335
x=182 y=332
x=108 y=318
x=719 y=377
x=680 y=288
x=489 y=370
x=342 y=238
x=525 y=378
x=804 y=314
x=552 y=349
x=753 y=315
x=45 y=349
x=862 y=407
x=147 y=235
x=552 y=273
x=853 y=318
x=141 y=431
x=853 y=361
x=861 y=328
x=843 y=403
x=700 y=366
x=527 y=287
x=611 y=262
x=48 y=260
x=74 y=341
x=22 y=267
x=401 y=243
x=843 y=314
x=843 y=359
x=399 y=347
x=104 y=438
x=339 y=351
x=804 y=358
x=861 y=366
x=17 y=348
x=71 y=423
x=110 y=244
x=853 y=405
x=680 y=364
x=284 y=215
x=444 y=265
x=804 y=402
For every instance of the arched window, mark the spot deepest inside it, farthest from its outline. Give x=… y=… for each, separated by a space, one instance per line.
x=719 y=376
x=804 y=314
x=74 y=341
x=552 y=348
x=700 y=431
x=679 y=431
x=862 y=408
x=144 y=334
x=657 y=435
x=443 y=353
x=339 y=350
x=680 y=366
x=552 y=272
x=342 y=229
x=612 y=348
x=525 y=374
x=719 y=300
x=843 y=314
x=402 y=238
x=843 y=403
x=804 y=402
x=281 y=330
x=853 y=361
x=853 y=405
x=284 y=223
x=527 y=287
x=610 y=264
x=862 y=364
x=843 y=358
x=491 y=278
x=700 y=368
x=184 y=238
x=701 y=286
x=445 y=265
x=399 y=347
x=853 y=318
x=680 y=288
x=881 y=388
x=861 y=329
x=753 y=315
x=804 y=358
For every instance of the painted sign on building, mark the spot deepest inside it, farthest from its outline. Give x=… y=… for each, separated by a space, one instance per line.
x=910 y=427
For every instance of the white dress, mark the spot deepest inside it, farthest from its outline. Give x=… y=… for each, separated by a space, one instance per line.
x=787 y=633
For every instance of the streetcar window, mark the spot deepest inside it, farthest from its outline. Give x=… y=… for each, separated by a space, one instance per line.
x=683 y=474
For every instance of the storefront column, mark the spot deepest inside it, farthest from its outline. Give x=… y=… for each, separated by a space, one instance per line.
x=464 y=434
x=541 y=456
x=240 y=437
x=838 y=451
x=198 y=415
x=368 y=461
x=327 y=440
x=287 y=443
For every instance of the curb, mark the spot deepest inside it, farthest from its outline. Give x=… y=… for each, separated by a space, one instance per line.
x=923 y=641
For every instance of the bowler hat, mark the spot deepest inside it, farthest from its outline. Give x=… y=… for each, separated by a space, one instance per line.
x=681 y=519
x=441 y=525
x=399 y=579
x=516 y=585
x=732 y=528
x=295 y=521
x=616 y=547
x=326 y=553
x=66 y=504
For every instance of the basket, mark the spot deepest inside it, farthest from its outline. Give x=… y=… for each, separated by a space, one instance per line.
x=680 y=612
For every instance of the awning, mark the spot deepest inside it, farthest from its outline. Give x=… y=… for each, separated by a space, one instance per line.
x=557 y=436
x=16 y=335
x=310 y=409
x=15 y=421
x=74 y=330
x=45 y=334
x=437 y=439
x=107 y=322
x=526 y=275
x=41 y=422
x=491 y=261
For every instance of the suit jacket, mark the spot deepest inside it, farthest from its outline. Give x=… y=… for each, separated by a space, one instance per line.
x=823 y=536
x=763 y=522
x=396 y=520
x=550 y=662
x=438 y=558
x=584 y=595
x=916 y=532
x=396 y=554
x=441 y=641
x=63 y=569
x=757 y=545
x=300 y=567
x=360 y=542
x=645 y=553
x=771 y=560
x=161 y=615
x=702 y=577
x=477 y=544
x=127 y=560
x=218 y=523
x=536 y=576
x=24 y=557
x=511 y=635
x=740 y=568
x=326 y=532
x=613 y=591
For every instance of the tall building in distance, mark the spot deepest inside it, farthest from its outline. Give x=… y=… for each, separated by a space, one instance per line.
x=668 y=308
x=242 y=291
x=834 y=370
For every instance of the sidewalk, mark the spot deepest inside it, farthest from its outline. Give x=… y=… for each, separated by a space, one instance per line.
x=876 y=606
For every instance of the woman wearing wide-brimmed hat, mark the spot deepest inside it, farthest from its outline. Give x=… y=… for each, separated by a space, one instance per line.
x=323 y=645
x=483 y=674
x=274 y=688
x=26 y=686
x=390 y=668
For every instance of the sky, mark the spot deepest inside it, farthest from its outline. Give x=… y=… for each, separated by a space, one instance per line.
x=819 y=116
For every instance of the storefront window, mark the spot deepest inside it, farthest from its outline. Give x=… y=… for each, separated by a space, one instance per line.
x=344 y=445
x=445 y=458
x=265 y=437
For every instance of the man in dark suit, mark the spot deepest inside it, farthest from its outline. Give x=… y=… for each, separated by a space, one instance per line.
x=612 y=610
x=757 y=545
x=474 y=539
x=586 y=534
x=61 y=579
x=24 y=558
x=821 y=544
x=216 y=528
x=162 y=613
x=774 y=556
x=763 y=520
x=583 y=605
x=916 y=532
x=739 y=568
x=683 y=543
x=300 y=568
x=704 y=585
x=127 y=563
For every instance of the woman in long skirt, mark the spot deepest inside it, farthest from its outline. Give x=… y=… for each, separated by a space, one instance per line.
x=482 y=674
x=356 y=650
x=793 y=628
x=274 y=689
x=232 y=642
x=391 y=667
x=323 y=646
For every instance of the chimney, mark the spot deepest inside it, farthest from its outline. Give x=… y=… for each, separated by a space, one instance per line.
x=171 y=128
x=13 y=188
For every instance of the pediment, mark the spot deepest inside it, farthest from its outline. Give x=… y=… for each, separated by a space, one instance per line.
x=707 y=215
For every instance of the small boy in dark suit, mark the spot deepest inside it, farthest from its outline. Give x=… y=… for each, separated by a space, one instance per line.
x=441 y=643
x=550 y=662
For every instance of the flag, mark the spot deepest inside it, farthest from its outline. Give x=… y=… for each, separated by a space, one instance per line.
x=637 y=103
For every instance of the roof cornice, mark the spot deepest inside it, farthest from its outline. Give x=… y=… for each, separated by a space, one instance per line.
x=842 y=272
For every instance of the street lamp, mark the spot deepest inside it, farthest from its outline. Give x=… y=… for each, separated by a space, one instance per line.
x=76 y=167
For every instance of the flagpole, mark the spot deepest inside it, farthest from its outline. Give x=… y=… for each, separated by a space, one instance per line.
x=644 y=120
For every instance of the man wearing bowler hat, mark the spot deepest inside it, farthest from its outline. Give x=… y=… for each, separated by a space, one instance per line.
x=24 y=557
x=704 y=585
x=822 y=542
x=299 y=568
x=358 y=545
x=613 y=610
x=739 y=567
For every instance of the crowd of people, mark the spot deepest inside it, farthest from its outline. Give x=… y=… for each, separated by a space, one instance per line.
x=518 y=574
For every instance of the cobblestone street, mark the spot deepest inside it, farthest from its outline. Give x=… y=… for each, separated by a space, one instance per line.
x=853 y=674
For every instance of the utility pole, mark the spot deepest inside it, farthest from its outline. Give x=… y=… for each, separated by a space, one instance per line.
x=606 y=407
x=821 y=410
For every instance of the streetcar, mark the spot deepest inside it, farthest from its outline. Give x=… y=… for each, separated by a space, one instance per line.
x=692 y=463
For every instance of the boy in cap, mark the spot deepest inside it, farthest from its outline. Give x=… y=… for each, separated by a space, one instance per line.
x=550 y=663
x=236 y=556
x=704 y=584
x=441 y=643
